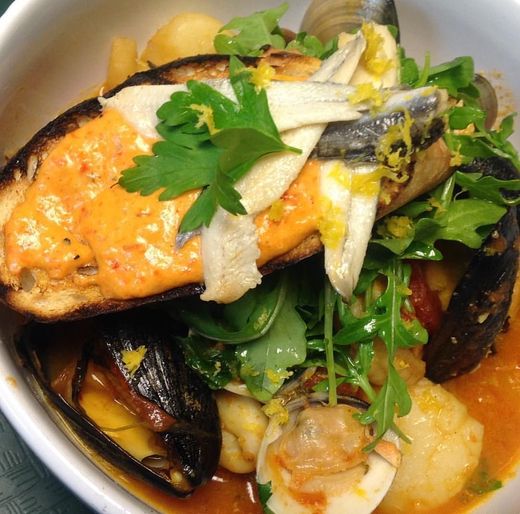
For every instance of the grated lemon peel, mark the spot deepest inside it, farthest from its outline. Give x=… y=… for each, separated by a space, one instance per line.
x=366 y=92
x=374 y=57
x=205 y=117
x=331 y=223
x=397 y=159
x=275 y=410
x=132 y=359
x=262 y=75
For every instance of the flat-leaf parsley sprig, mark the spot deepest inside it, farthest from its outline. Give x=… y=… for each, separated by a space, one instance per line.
x=209 y=142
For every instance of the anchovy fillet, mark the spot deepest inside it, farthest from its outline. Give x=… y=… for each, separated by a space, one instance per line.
x=264 y=184
x=358 y=140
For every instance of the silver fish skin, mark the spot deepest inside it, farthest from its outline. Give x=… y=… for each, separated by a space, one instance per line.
x=358 y=140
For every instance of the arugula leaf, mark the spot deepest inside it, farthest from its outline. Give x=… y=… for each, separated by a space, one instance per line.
x=382 y=319
x=461 y=117
x=209 y=142
x=485 y=143
x=244 y=320
x=454 y=76
x=215 y=362
x=460 y=223
x=488 y=188
x=330 y=303
x=264 y=362
x=308 y=44
x=250 y=34
x=409 y=73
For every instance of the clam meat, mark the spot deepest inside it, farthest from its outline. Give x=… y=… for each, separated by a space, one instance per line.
x=316 y=461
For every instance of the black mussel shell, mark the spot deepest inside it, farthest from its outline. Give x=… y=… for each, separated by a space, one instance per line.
x=479 y=307
x=193 y=442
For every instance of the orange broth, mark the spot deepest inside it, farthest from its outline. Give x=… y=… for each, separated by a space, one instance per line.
x=491 y=394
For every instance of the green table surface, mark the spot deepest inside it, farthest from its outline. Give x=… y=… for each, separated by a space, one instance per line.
x=26 y=485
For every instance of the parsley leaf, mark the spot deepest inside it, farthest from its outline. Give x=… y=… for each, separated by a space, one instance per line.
x=209 y=142
x=250 y=34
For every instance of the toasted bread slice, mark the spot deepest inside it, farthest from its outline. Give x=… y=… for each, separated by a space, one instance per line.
x=50 y=300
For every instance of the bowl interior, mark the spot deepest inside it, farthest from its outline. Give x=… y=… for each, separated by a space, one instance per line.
x=53 y=53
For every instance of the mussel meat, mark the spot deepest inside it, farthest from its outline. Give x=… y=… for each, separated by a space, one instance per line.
x=135 y=358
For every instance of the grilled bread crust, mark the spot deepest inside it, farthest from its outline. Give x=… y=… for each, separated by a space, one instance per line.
x=53 y=300
x=62 y=299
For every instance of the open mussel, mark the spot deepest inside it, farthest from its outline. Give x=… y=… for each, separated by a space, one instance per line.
x=478 y=309
x=133 y=359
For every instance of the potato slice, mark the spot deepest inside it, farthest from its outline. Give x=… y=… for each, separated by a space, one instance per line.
x=122 y=61
x=184 y=35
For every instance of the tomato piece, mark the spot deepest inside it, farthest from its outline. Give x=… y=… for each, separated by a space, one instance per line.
x=426 y=302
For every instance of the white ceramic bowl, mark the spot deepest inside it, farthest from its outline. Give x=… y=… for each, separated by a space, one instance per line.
x=52 y=52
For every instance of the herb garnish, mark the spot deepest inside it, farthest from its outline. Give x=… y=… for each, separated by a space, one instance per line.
x=249 y=35
x=209 y=142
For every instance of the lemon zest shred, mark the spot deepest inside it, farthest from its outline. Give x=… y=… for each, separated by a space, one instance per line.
x=277 y=377
x=262 y=75
x=331 y=224
x=456 y=157
x=132 y=358
x=374 y=57
x=397 y=159
x=399 y=226
x=276 y=411
x=205 y=117
x=366 y=92
x=341 y=174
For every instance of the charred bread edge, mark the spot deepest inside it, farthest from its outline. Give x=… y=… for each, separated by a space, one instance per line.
x=70 y=120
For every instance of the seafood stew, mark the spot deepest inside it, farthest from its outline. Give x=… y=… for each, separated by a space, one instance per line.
x=328 y=345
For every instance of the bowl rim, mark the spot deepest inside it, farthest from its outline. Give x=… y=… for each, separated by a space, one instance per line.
x=29 y=417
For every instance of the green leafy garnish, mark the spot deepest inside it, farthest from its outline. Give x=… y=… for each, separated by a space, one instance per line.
x=455 y=76
x=215 y=362
x=264 y=493
x=250 y=34
x=330 y=303
x=265 y=361
x=482 y=143
x=444 y=216
x=488 y=188
x=308 y=44
x=209 y=142
x=383 y=319
x=481 y=482
x=244 y=320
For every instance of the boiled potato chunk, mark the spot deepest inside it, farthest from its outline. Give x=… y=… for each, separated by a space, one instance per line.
x=445 y=450
x=184 y=35
x=122 y=62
